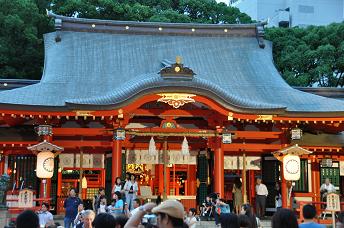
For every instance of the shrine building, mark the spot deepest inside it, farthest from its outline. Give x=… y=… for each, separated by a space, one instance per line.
x=187 y=108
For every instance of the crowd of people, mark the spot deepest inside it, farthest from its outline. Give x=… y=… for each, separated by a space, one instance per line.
x=125 y=210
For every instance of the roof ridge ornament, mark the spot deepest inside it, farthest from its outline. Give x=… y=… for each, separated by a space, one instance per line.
x=58 y=25
x=177 y=71
x=260 y=35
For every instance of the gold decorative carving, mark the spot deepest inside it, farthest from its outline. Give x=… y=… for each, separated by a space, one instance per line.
x=176 y=100
x=230 y=116
x=264 y=117
x=83 y=113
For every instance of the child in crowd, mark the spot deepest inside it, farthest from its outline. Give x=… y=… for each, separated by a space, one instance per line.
x=102 y=206
x=191 y=220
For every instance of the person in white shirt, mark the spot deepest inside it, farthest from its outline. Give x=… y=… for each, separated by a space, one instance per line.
x=131 y=189
x=136 y=205
x=191 y=220
x=44 y=215
x=261 y=194
x=102 y=205
x=326 y=188
x=118 y=186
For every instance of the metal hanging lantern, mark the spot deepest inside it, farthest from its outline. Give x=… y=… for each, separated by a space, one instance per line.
x=152 y=148
x=119 y=134
x=296 y=134
x=185 y=147
x=226 y=138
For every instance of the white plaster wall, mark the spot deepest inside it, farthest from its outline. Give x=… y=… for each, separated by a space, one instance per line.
x=316 y=12
x=302 y=13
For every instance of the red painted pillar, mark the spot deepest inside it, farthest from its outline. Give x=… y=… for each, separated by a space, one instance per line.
x=219 y=169
x=161 y=178
x=252 y=184
x=316 y=182
x=284 y=189
x=116 y=160
x=59 y=183
x=168 y=180
x=2 y=165
x=192 y=180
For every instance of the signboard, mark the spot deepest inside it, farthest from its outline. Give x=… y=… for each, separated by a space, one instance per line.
x=236 y=162
x=173 y=157
x=25 y=198
x=146 y=191
x=341 y=168
x=291 y=167
x=89 y=161
x=326 y=162
x=333 y=202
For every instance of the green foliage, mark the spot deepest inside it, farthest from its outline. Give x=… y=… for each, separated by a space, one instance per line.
x=22 y=25
x=312 y=56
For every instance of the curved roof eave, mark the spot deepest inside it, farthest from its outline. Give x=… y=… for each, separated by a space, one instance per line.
x=153 y=83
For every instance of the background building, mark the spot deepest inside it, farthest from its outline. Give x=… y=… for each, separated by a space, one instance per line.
x=292 y=13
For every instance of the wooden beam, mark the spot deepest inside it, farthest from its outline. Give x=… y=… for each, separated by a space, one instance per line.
x=173 y=112
x=251 y=147
x=82 y=131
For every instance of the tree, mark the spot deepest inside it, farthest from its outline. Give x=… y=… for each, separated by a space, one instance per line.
x=312 y=56
x=22 y=25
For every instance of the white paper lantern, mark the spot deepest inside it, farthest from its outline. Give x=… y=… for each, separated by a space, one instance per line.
x=45 y=164
x=185 y=147
x=84 y=182
x=291 y=167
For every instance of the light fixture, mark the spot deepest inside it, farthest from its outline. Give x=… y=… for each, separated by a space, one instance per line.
x=226 y=138
x=45 y=164
x=119 y=134
x=84 y=183
x=44 y=129
x=296 y=134
x=291 y=167
x=185 y=147
x=152 y=149
x=45 y=161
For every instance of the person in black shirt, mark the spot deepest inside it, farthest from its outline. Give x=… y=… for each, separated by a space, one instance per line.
x=71 y=206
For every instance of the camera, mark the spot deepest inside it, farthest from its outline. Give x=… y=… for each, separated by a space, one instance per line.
x=150 y=219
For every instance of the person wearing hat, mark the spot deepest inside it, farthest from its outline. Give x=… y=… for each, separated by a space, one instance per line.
x=170 y=214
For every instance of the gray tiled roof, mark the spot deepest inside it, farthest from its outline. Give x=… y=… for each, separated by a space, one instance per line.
x=104 y=71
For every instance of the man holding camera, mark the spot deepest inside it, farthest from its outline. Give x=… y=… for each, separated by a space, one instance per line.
x=169 y=214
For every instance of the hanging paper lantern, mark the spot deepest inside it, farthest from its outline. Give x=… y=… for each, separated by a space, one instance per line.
x=84 y=182
x=185 y=147
x=291 y=167
x=152 y=149
x=45 y=164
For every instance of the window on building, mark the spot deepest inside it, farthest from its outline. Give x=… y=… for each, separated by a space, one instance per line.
x=330 y=172
x=306 y=9
x=302 y=184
